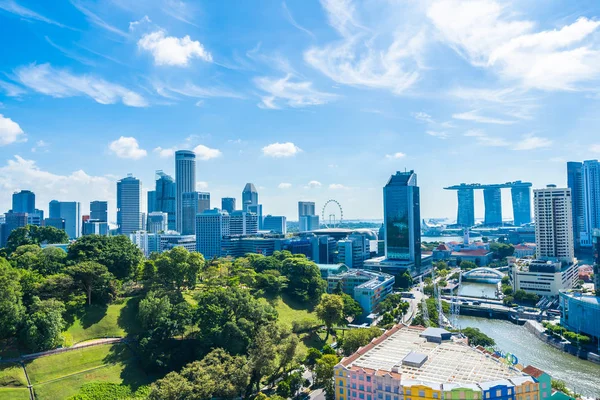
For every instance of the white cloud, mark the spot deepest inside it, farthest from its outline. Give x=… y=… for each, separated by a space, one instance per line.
x=294 y=94
x=337 y=186
x=441 y=135
x=484 y=139
x=423 y=116
x=11 y=90
x=40 y=145
x=284 y=185
x=313 y=185
x=532 y=142
x=277 y=150
x=96 y=20
x=10 y=131
x=19 y=173
x=476 y=117
x=201 y=185
x=165 y=153
x=292 y=21
x=11 y=6
x=488 y=35
x=192 y=90
x=171 y=50
x=45 y=79
x=127 y=147
x=206 y=153
x=382 y=56
x=395 y=156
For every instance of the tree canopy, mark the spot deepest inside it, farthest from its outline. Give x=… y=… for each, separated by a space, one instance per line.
x=32 y=234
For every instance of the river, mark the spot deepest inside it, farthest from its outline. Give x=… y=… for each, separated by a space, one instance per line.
x=579 y=375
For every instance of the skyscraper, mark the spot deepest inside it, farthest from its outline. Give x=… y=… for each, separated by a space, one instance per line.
x=249 y=196
x=185 y=180
x=193 y=203
x=274 y=223
x=99 y=211
x=307 y=219
x=258 y=210
x=590 y=173
x=553 y=224
x=492 y=198
x=575 y=183
x=521 y=201
x=306 y=208
x=402 y=218
x=157 y=222
x=243 y=223
x=228 y=204
x=165 y=198
x=70 y=212
x=151 y=201
x=129 y=215
x=23 y=202
x=211 y=226
x=12 y=221
x=466 y=207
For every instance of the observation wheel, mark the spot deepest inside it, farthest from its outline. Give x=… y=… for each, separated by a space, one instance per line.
x=332 y=214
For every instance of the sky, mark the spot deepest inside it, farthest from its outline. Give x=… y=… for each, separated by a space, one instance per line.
x=309 y=100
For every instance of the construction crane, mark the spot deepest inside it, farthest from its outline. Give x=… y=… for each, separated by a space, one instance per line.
x=455 y=305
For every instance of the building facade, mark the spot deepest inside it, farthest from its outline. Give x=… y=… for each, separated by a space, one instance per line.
x=402 y=218
x=243 y=223
x=575 y=183
x=211 y=227
x=275 y=224
x=228 y=204
x=553 y=224
x=99 y=210
x=307 y=219
x=258 y=210
x=23 y=202
x=95 y=227
x=193 y=203
x=129 y=213
x=185 y=181
x=368 y=288
x=542 y=277
x=165 y=198
x=353 y=251
x=157 y=222
x=70 y=213
x=249 y=196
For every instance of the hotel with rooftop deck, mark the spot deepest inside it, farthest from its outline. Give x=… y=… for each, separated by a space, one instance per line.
x=414 y=363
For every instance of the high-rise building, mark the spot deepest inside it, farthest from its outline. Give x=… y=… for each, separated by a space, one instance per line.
x=243 y=223
x=591 y=200
x=309 y=223
x=306 y=208
x=466 y=207
x=23 y=202
x=521 y=201
x=228 y=204
x=70 y=212
x=249 y=196
x=553 y=224
x=166 y=197
x=157 y=222
x=353 y=251
x=12 y=221
x=193 y=203
x=129 y=214
x=99 y=211
x=258 y=210
x=402 y=218
x=274 y=223
x=211 y=227
x=57 y=223
x=151 y=201
x=492 y=199
x=575 y=183
x=185 y=181
x=95 y=227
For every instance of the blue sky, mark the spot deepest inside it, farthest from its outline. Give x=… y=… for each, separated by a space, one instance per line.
x=309 y=100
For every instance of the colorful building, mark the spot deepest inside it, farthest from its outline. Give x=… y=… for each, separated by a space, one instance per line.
x=407 y=363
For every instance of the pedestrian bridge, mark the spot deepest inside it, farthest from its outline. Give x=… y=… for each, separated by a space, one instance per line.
x=483 y=274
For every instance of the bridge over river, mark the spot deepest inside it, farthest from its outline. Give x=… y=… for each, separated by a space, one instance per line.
x=483 y=274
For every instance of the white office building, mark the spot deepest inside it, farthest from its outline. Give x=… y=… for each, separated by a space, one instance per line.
x=542 y=277
x=157 y=222
x=243 y=223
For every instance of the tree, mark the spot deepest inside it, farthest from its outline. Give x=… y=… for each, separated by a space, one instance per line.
x=312 y=355
x=330 y=310
x=179 y=268
x=467 y=265
x=440 y=266
x=48 y=261
x=324 y=374
x=304 y=279
x=11 y=304
x=149 y=271
x=262 y=355
x=355 y=338
x=352 y=308
x=93 y=278
x=501 y=250
x=43 y=325
x=283 y=389
x=153 y=310
x=386 y=319
x=172 y=387
x=32 y=234
x=404 y=281
x=478 y=338
x=117 y=253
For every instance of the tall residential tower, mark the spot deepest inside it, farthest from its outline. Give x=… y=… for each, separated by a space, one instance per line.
x=553 y=224
x=185 y=180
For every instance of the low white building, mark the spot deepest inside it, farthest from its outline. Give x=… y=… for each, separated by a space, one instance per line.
x=544 y=278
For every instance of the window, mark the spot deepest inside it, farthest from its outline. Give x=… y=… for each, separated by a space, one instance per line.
x=368 y=379
x=361 y=387
x=341 y=383
x=388 y=389
x=544 y=385
x=353 y=393
x=435 y=395
x=407 y=391
x=498 y=393
x=421 y=393
x=379 y=386
x=487 y=395
x=341 y=390
x=388 y=397
x=361 y=378
x=368 y=397
x=361 y=396
x=354 y=386
x=341 y=373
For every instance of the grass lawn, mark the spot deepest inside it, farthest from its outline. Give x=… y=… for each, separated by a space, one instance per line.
x=62 y=375
x=12 y=375
x=289 y=311
x=116 y=320
x=14 y=393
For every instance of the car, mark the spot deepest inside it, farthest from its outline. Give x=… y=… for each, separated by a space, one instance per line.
x=476 y=303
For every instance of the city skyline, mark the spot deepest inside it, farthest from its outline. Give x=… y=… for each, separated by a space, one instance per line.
x=94 y=92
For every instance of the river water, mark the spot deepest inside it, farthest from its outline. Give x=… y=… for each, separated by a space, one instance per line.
x=580 y=375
